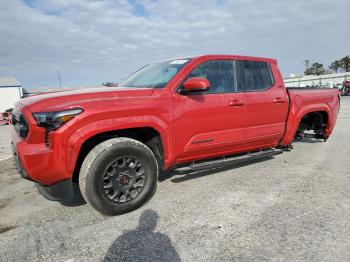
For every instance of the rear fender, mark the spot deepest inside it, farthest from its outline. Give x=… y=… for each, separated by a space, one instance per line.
x=295 y=118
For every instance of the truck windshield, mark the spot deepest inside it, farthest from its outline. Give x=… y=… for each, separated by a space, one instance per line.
x=154 y=75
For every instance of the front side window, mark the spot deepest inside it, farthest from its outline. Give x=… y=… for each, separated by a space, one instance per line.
x=154 y=75
x=257 y=75
x=220 y=73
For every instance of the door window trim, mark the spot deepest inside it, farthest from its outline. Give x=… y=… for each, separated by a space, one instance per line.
x=178 y=89
x=244 y=80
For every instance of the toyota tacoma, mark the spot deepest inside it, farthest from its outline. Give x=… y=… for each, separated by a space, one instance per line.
x=188 y=114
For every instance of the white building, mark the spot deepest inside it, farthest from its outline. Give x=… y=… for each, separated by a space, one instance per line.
x=10 y=92
x=330 y=80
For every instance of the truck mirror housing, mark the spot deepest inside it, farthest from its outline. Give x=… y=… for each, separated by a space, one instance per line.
x=196 y=84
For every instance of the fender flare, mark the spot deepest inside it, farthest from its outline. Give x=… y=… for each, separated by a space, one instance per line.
x=77 y=139
x=295 y=118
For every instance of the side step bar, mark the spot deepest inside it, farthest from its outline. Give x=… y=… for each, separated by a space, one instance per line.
x=228 y=161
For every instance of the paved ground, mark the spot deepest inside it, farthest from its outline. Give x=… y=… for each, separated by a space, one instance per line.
x=295 y=207
x=5 y=147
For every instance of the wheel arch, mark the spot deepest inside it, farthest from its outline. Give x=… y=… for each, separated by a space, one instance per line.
x=313 y=118
x=295 y=119
x=81 y=142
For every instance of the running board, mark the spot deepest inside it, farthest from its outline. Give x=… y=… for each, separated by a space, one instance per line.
x=228 y=161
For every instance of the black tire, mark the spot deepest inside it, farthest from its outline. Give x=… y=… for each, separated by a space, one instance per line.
x=120 y=155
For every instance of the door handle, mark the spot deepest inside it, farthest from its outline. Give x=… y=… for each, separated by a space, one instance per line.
x=279 y=100
x=236 y=103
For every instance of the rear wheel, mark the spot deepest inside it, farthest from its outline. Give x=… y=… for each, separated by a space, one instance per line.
x=118 y=176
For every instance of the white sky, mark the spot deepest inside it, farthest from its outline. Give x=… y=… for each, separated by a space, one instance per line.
x=98 y=41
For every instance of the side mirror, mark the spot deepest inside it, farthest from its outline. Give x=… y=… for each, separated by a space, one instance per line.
x=195 y=84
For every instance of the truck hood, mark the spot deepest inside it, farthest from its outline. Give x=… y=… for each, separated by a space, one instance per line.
x=65 y=99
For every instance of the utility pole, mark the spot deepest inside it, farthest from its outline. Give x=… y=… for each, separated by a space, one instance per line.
x=59 y=77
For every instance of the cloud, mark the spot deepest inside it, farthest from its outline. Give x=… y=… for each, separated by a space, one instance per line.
x=97 y=41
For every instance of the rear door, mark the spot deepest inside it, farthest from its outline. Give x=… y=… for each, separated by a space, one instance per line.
x=266 y=104
x=210 y=123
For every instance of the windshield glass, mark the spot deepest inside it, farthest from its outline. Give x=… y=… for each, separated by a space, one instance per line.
x=154 y=75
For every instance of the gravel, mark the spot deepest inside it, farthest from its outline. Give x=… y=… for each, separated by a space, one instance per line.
x=293 y=207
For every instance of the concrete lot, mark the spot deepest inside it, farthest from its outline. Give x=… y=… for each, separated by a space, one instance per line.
x=5 y=147
x=294 y=207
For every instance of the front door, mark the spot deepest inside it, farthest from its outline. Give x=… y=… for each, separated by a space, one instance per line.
x=210 y=123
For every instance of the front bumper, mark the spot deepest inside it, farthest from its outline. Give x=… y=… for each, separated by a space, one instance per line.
x=36 y=163
x=18 y=163
x=40 y=163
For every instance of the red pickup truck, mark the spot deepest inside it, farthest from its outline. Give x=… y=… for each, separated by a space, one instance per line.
x=188 y=114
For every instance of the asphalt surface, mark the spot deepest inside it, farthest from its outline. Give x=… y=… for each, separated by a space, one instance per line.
x=294 y=207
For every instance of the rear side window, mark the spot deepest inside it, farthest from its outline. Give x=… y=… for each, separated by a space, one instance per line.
x=220 y=73
x=256 y=75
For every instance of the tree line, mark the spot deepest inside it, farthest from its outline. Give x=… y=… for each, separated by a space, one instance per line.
x=341 y=65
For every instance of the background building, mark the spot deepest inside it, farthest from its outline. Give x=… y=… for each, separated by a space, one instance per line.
x=330 y=80
x=10 y=92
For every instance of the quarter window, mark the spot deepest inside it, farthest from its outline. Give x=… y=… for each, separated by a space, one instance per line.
x=257 y=75
x=220 y=73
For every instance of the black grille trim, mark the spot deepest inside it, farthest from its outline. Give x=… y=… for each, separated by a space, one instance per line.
x=20 y=124
x=47 y=140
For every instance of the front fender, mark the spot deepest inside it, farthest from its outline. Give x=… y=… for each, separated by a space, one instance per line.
x=77 y=139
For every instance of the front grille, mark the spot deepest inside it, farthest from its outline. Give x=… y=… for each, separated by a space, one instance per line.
x=19 y=123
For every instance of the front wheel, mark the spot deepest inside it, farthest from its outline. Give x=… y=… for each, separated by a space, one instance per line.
x=118 y=176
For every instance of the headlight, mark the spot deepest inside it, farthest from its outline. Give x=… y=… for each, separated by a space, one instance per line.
x=54 y=120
